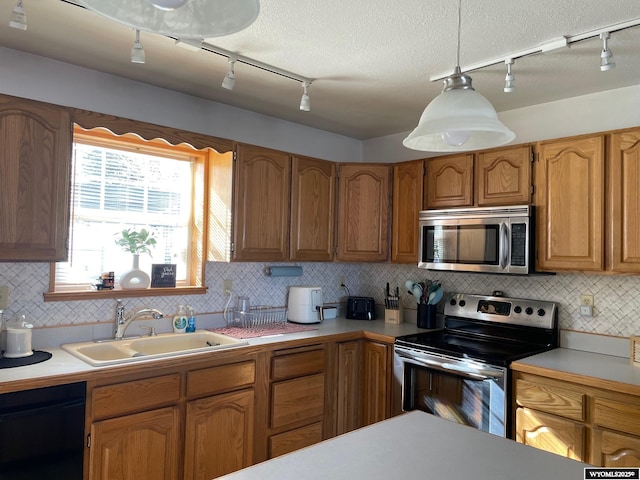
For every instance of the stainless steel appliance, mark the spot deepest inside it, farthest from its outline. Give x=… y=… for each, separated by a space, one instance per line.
x=462 y=372
x=493 y=240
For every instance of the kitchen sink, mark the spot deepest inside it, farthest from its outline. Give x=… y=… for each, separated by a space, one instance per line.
x=147 y=348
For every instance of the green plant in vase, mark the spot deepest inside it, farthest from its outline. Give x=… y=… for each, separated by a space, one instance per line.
x=136 y=242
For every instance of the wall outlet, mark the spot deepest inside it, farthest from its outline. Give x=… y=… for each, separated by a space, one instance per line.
x=586 y=311
x=4 y=297
x=341 y=281
x=227 y=287
x=586 y=300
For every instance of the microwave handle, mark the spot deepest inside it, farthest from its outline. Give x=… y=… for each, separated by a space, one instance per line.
x=504 y=245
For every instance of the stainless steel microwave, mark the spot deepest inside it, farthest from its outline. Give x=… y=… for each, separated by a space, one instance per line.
x=492 y=240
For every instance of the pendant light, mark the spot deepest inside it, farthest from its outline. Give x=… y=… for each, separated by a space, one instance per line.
x=180 y=18
x=459 y=119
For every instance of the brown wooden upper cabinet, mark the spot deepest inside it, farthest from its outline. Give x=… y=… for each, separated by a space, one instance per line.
x=449 y=181
x=488 y=178
x=35 y=160
x=363 y=212
x=503 y=177
x=313 y=193
x=284 y=207
x=262 y=182
x=624 y=202
x=408 y=186
x=569 y=198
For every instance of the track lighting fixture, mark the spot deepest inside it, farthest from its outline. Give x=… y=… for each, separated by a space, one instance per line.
x=230 y=78
x=509 y=79
x=18 y=18
x=137 y=52
x=606 y=57
x=305 y=101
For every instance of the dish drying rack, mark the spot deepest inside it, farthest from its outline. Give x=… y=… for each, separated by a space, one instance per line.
x=259 y=316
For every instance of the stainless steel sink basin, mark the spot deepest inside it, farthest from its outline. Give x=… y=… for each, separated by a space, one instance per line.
x=146 y=348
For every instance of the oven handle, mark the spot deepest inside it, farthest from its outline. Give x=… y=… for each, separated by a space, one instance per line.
x=486 y=375
x=504 y=245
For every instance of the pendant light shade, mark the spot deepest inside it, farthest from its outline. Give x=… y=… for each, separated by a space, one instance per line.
x=180 y=18
x=458 y=119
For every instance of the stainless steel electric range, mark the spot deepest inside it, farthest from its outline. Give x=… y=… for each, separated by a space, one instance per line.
x=462 y=372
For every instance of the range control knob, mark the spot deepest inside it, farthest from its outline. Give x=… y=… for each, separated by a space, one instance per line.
x=462 y=303
x=518 y=309
x=541 y=312
x=529 y=311
x=452 y=301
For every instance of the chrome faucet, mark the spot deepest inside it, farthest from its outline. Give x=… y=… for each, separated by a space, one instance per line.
x=122 y=322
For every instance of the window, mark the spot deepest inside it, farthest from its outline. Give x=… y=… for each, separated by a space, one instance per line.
x=121 y=182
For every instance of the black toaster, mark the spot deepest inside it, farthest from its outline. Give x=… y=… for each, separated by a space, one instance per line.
x=361 y=308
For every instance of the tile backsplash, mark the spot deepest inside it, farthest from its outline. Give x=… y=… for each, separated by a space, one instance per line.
x=616 y=313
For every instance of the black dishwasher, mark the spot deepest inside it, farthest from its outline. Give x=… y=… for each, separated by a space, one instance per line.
x=42 y=433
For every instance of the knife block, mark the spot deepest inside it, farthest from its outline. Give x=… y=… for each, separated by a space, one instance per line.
x=393 y=316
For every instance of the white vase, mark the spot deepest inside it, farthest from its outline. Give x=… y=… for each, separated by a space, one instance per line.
x=135 y=278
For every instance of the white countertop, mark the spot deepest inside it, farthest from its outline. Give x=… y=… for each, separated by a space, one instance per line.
x=63 y=363
x=586 y=364
x=415 y=445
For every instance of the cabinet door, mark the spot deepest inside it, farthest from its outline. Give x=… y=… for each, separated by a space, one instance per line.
x=376 y=383
x=219 y=435
x=550 y=433
x=35 y=160
x=143 y=446
x=503 y=177
x=363 y=212
x=348 y=386
x=408 y=186
x=570 y=204
x=449 y=181
x=261 y=204
x=611 y=449
x=313 y=193
x=624 y=202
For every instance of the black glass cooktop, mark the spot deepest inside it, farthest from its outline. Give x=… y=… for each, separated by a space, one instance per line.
x=495 y=352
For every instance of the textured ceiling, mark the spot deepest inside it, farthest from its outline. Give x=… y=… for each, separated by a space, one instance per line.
x=370 y=60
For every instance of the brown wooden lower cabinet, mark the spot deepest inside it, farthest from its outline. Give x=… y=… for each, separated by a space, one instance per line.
x=550 y=433
x=140 y=446
x=595 y=425
x=295 y=439
x=218 y=435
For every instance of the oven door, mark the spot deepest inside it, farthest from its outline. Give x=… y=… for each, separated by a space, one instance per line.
x=463 y=391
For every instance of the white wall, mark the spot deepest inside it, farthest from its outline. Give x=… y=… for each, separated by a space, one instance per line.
x=597 y=112
x=30 y=76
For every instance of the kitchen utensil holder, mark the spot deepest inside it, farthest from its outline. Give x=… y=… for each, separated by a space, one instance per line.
x=426 y=315
x=393 y=316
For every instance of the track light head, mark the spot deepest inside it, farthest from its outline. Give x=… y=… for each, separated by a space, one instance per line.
x=606 y=57
x=230 y=78
x=305 y=101
x=509 y=79
x=137 y=51
x=18 y=19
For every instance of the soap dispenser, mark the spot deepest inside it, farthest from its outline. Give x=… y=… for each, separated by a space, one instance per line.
x=180 y=320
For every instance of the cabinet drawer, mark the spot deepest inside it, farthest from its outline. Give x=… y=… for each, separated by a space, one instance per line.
x=219 y=379
x=623 y=417
x=297 y=364
x=295 y=439
x=297 y=400
x=135 y=396
x=551 y=399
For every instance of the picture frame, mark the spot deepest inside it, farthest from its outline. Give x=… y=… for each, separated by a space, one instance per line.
x=163 y=275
